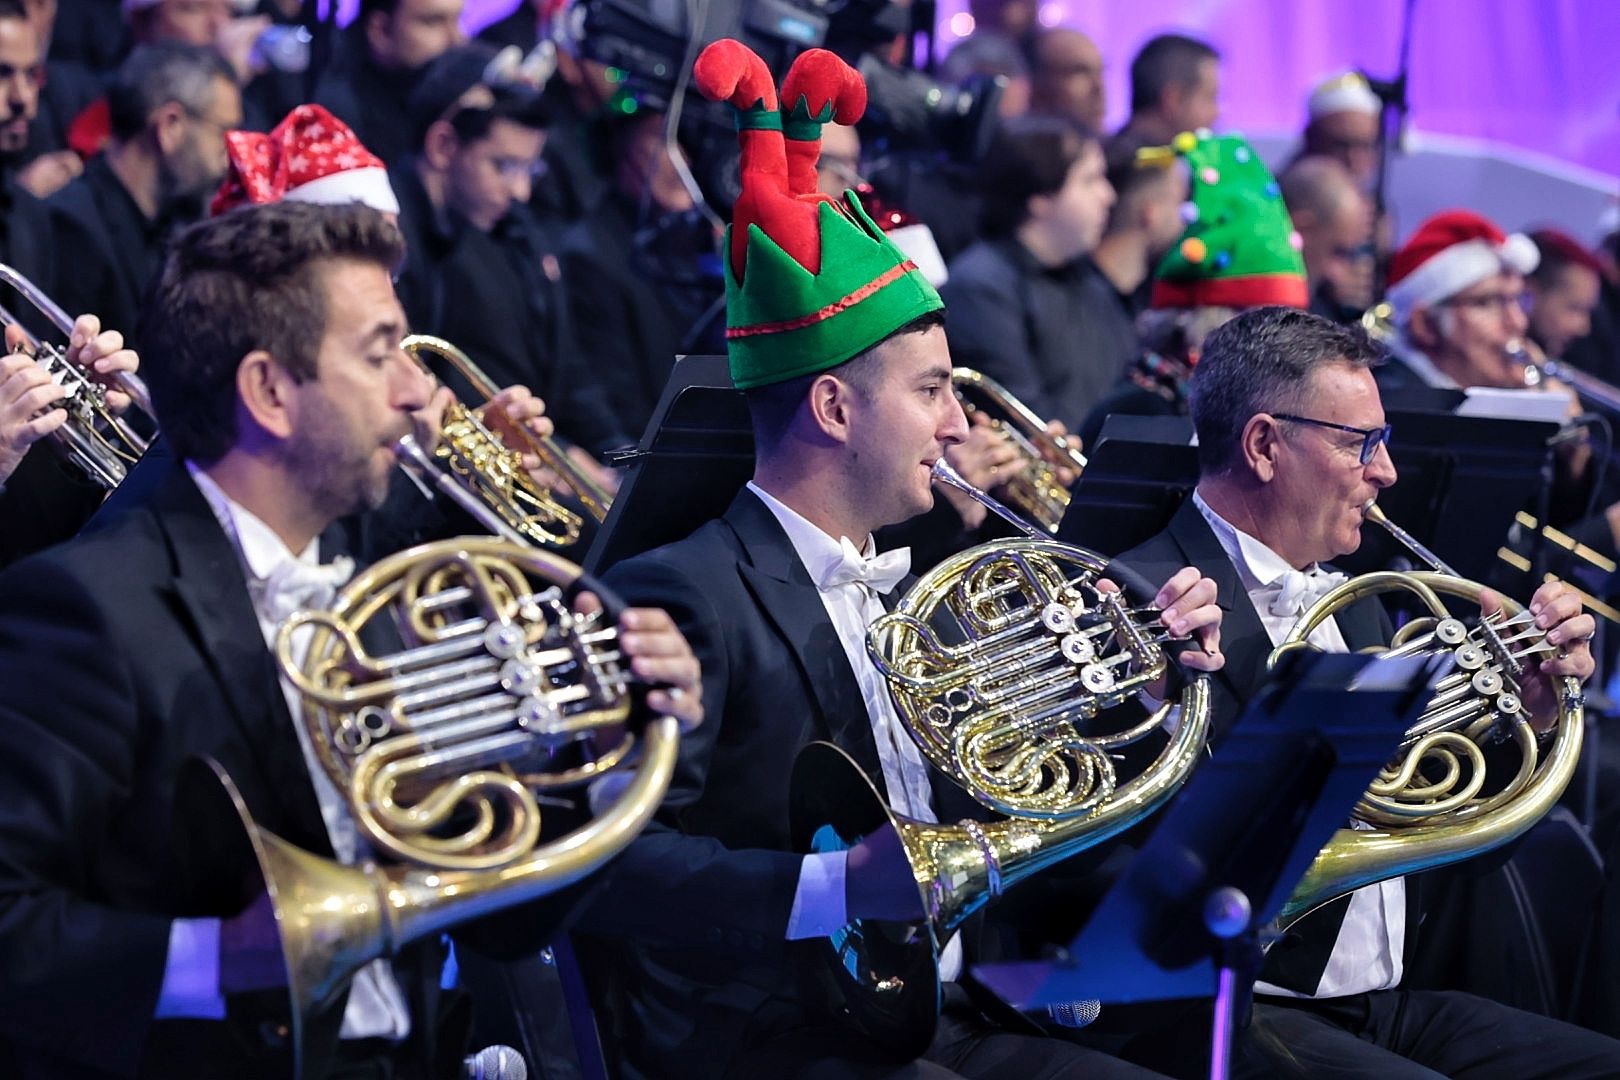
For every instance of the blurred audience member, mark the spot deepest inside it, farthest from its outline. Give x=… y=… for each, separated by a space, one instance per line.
x=64 y=88
x=1067 y=78
x=1150 y=188
x=1334 y=217
x=989 y=55
x=169 y=108
x=1342 y=123
x=386 y=49
x=1175 y=87
x=641 y=272
x=1599 y=351
x=89 y=32
x=1021 y=300
x=1015 y=20
x=838 y=169
x=477 y=271
x=520 y=27
x=1563 y=290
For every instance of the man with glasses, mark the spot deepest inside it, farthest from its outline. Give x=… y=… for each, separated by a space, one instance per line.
x=1292 y=446
x=170 y=105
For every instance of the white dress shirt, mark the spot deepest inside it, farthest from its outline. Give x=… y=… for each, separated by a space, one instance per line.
x=819 y=906
x=376 y=1007
x=1367 y=953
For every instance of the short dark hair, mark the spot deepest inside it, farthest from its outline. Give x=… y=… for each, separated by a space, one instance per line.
x=1131 y=177
x=154 y=75
x=1262 y=360
x=452 y=74
x=1031 y=155
x=1166 y=60
x=771 y=408
x=243 y=281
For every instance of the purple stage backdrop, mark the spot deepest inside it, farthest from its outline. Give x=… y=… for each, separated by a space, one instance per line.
x=1535 y=74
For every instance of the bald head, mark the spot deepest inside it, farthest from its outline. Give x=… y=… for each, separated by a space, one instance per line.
x=1334 y=218
x=1068 y=78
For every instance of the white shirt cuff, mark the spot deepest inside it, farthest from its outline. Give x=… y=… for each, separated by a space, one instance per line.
x=819 y=907
x=191 y=973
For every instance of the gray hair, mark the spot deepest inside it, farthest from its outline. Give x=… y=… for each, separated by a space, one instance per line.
x=154 y=75
x=1262 y=361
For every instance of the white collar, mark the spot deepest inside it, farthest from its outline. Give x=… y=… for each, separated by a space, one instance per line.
x=1420 y=364
x=817 y=549
x=257 y=544
x=1257 y=564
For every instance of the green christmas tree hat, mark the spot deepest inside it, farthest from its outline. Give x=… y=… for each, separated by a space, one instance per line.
x=810 y=281
x=1240 y=249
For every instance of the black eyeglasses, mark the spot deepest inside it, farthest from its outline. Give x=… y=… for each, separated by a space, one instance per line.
x=1371 y=438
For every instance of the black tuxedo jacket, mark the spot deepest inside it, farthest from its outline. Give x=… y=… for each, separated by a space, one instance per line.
x=1297 y=961
x=700 y=902
x=122 y=654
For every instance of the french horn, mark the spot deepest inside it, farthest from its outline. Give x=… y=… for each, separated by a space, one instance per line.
x=1008 y=668
x=1445 y=796
x=100 y=443
x=445 y=745
x=1034 y=488
x=474 y=466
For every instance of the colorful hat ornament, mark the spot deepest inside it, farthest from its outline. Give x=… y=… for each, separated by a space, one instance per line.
x=311 y=156
x=1239 y=249
x=810 y=281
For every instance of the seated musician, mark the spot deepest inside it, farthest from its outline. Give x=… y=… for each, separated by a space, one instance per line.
x=847 y=380
x=1291 y=446
x=128 y=650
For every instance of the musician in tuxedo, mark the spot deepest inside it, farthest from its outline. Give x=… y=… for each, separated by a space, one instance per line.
x=851 y=404
x=1292 y=445
x=132 y=648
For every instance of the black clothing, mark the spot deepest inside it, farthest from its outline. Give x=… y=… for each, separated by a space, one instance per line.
x=370 y=99
x=520 y=27
x=936 y=191
x=69 y=89
x=116 y=249
x=91 y=32
x=703 y=978
x=499 y=297
x=1043 y=333
x=634 y=308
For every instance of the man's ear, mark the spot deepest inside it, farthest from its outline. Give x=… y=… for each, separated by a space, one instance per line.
x=264 y=392
x=1421 y=328
x=829 y=400
x=440 y=144
x=1258 y=446
x=167 y=123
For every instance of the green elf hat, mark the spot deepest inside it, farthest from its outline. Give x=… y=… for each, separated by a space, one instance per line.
x=810 y=281
x=1240 y=249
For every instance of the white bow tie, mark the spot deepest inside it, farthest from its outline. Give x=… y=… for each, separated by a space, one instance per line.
x=295 y=585
x=881 y=573
x=1298 y=590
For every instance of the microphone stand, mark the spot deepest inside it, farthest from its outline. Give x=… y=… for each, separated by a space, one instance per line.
x=1391 y=125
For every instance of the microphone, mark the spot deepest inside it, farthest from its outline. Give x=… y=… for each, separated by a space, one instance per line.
x=495 y=1063
x=1074 y=1014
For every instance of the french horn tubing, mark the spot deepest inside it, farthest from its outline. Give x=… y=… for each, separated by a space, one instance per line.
x=1447 y=795
x=1013 y=674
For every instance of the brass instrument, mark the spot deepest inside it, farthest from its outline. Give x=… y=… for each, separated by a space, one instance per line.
x=1434 y=803
x=1025 y=713
x=104 y=446
x=473 y=464
x=1539 y=367
x=441 y=747
x=1034 y=487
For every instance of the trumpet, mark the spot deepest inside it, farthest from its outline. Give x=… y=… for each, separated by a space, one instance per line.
x=1022 y=705
x=1437 y=802
x=444 y=751
x=102 y=445
x=475 y=468
x=1034 y=486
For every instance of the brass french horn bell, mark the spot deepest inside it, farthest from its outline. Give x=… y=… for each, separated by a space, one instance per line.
x=1444 y=798
x=475 y=467
x=102 y=445
x=442 y=748
x=1016 y=677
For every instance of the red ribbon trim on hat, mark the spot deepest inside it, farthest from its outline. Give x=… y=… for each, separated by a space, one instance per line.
x=892 y=274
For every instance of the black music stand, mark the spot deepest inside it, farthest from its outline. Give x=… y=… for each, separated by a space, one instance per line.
x=696 y=454
x=1138 y=472
x=1188 y=914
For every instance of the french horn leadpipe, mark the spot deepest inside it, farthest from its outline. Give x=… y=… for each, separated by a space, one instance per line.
x=945 y=473
x=1372 y=513
x=104 y=446
x=1026 y=699
x=1034 y=484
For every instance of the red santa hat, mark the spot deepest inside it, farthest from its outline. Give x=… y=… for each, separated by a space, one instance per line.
x=1449 y=252
x=311 y=156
